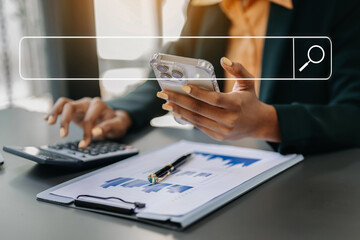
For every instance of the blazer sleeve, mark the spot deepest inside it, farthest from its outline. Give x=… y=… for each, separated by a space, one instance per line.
x=141 y=104
x=309 y=128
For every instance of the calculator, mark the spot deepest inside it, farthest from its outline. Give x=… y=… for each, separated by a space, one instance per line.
x=70 y=155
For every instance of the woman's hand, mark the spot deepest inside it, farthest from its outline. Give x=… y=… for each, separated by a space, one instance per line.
x=93 y=115
x=226 y=116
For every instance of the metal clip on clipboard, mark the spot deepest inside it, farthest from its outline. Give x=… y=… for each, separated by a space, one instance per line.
x=107 y=207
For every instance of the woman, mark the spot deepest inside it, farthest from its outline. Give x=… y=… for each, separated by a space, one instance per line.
x=295 y=116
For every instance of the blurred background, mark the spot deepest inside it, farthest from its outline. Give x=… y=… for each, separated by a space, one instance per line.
x=70 y=58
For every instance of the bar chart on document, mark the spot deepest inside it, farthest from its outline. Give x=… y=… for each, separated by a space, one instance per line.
x=209 y=172
x=190 y=175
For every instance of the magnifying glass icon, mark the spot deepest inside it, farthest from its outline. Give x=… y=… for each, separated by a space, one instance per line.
x=311 y=60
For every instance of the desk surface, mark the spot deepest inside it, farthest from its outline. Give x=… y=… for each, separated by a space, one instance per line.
x=316 y=199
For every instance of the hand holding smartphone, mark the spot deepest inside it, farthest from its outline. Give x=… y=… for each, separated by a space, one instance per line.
x=172 y=72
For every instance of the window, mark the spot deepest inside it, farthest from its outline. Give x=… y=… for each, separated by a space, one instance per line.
x=19 y=18
x=132 y=18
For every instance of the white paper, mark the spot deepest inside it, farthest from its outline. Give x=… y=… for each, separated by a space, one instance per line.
x=211 y=171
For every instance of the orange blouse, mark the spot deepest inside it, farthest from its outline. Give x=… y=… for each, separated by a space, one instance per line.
x=248 y=18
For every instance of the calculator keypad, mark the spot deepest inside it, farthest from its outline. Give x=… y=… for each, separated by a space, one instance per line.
x=96 y=150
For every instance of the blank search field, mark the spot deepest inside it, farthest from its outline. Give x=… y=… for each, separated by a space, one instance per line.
x=284 y=57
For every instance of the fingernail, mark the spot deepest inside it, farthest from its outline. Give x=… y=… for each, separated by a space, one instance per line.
x=167 y=107
x=187 y=89
x=82 y=144
x=162 y=95
x=51 y=119
x=176 y=115
x=97 y=131
x=62 y=132
x=226 y=61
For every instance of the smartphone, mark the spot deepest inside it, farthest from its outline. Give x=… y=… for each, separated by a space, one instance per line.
x=172 y=72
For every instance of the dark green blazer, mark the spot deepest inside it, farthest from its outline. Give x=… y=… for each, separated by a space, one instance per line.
x=314 y=116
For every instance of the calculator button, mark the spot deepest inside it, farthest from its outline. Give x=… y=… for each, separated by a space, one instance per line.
x=43 y=157
x=94 y=153
x=67 y=145
x=57 y=147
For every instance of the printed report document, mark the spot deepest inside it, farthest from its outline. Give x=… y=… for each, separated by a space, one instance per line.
x=211 y=171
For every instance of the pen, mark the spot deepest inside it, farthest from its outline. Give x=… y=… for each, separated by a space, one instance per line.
x=165 y=171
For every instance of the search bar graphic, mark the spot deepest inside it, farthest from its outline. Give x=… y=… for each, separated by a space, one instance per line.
x=123 y=52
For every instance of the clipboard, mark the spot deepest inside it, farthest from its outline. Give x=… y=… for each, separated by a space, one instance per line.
x=171 y=222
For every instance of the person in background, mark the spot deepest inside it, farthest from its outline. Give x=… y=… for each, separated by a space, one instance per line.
x=294 y=116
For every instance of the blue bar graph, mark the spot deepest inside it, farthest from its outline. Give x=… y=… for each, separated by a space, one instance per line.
x=144 y=185
x=135 y=183
x=203 y=174
x=178 y=188
x=230 y=161
x=155 y=187
x=115 y=182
